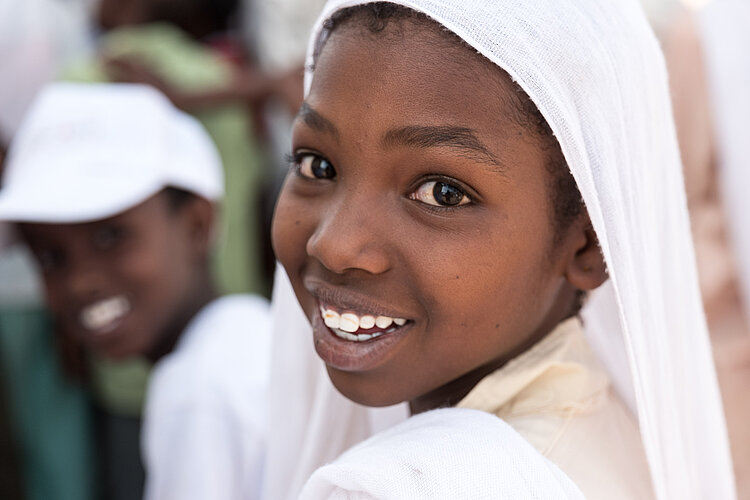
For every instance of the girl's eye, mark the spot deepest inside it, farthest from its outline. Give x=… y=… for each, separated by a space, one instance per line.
x=314 y=166
x=440 y=194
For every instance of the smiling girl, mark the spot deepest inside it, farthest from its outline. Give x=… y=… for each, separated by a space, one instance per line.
x=463 y=174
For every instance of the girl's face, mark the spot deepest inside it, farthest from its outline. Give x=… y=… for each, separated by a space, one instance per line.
x=418 y=203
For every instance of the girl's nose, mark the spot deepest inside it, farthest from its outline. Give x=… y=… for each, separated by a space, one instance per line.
x=351 y=238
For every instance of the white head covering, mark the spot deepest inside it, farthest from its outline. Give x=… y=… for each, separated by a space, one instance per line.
x=725 y=38
x=596 y=73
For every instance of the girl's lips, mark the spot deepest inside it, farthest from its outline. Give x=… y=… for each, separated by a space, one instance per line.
x=344 y=300
x=355 y=356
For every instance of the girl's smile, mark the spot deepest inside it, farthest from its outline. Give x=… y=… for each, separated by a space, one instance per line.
x=415 y=223
x=351 y=332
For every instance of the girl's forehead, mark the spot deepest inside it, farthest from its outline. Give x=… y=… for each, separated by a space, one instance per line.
x=408 y=77
x=424 y=43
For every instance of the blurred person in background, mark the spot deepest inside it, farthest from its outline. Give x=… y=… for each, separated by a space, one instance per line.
x=116 y=192
x=49 y=452
x=709 y=67
x=181 y=45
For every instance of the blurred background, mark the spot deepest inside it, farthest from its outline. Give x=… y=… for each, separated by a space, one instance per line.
x=70 y=421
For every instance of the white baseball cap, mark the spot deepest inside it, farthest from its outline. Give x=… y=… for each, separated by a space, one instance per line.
x=90 y=151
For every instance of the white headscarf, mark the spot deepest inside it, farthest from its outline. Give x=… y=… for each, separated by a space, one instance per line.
x=595 y=72
x=725 y=38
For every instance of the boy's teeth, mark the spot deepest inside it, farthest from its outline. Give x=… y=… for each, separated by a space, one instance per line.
x=345 y=325
x=102 y=314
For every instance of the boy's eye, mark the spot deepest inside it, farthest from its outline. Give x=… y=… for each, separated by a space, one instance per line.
x=314 y=166
x=50 y=260
x=106 y=237
x=440 y=194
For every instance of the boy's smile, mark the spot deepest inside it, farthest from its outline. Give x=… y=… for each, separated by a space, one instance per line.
x=105 y=315
x=417 y=200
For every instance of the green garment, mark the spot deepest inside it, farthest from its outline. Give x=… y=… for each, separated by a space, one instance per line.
x=189 y=66
x=50 y=414
x=119 y=387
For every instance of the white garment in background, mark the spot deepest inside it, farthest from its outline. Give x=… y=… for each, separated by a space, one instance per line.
x=205 y=420
x=37 y=37
x=278 y=30
x=725 y=38
x=595 y=71
x=661 y=12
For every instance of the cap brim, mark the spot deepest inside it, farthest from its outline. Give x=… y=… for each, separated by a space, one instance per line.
x=60 y=201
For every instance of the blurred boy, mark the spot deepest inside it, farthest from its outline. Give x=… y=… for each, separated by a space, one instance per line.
x=113 y=189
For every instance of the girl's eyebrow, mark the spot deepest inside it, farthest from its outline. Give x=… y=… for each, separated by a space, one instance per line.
x=462 y=140
x=316 y=121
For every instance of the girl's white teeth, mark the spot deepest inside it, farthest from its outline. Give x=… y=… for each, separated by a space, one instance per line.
x=331 y=318
x=102 y=315
x=349 y=322
x=383 y=321
x=345 y=325
x=367 y=322
x=356 y=338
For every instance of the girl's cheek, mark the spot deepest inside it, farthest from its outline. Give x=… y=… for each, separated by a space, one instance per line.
x=290 y=228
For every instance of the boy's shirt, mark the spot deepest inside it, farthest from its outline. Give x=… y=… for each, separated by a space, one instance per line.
x=559 y=398
x=205 y=417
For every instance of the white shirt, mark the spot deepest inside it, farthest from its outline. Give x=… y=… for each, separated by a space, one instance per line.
x=205 y=417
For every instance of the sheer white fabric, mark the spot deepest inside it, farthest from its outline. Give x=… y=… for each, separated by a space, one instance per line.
x=485 y=457
x=725 y=37
x=596 y=73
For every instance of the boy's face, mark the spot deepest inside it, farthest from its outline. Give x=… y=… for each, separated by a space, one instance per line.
x=415 y=195
x=122 y=284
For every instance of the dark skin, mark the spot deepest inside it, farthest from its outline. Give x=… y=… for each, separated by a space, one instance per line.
x=154 y=255
x=414 y=194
